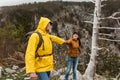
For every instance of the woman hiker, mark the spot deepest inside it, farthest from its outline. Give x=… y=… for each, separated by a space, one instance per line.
x=73 y=55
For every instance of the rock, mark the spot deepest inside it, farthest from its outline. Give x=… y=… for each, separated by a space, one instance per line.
x=22 y=69
x=54 y=73
x=61 y=77
x=9 y=79
x=58 y=72
x=27 y=78
x=99 y=77
x=61 y=70
x=15 y=67
x=10 y=71
x=1 y=71
x=79 y=76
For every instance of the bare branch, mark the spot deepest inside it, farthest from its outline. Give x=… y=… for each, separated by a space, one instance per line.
x=103 y=5
x=112 y=16
x=107 y=28
x=105 y=34
x=102 y=48
x=118 y=76
x=92 y=1
x=90 y=22
x=103 y=0
x=103 y=18
x=90 y=14
x=89 y=54
x=118 y=22
x=15 y=60
x=109 y=39
x=99 y=48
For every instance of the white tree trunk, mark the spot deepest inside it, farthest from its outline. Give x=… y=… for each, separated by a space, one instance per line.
x=90 y=71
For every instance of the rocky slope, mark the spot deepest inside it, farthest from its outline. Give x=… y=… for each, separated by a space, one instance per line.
x=67 y=17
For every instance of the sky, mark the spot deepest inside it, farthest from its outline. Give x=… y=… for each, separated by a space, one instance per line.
x=17 y=2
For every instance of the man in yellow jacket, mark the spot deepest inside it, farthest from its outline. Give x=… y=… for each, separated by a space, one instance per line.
x=40 y=67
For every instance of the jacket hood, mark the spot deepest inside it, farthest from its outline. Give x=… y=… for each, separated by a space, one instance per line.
x=43 y=24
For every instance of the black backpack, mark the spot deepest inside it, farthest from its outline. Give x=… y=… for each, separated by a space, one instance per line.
x=39 y=44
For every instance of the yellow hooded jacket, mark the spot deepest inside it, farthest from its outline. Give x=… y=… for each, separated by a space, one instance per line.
x=40 y=64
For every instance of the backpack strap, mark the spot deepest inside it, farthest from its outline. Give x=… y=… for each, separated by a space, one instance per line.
x=39 y=44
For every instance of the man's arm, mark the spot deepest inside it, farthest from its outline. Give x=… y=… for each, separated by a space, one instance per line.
x=68 y=41
x=57 y=39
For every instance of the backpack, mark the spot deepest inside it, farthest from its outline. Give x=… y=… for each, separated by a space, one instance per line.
x=39 y=44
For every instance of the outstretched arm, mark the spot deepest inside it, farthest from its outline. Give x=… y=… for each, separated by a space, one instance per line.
x=68 y=41
x=57 y=39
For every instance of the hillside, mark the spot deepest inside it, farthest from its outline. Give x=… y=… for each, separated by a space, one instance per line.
x=67 y=17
